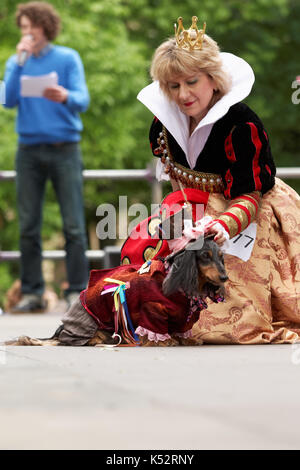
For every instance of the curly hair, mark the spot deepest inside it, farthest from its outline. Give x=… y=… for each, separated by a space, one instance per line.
x=40 y=14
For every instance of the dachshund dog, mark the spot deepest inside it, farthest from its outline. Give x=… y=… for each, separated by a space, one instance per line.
x=196 y=271
x=161 y=298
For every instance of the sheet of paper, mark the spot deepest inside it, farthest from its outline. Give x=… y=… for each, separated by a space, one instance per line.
x=242 y=245
x=34 y=86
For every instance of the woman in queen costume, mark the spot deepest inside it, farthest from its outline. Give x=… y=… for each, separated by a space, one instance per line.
x=213 y=145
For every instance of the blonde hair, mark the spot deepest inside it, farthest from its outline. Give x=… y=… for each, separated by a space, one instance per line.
x=170 y=61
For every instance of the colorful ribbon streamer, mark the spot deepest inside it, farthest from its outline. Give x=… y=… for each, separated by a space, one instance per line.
x=120 y=306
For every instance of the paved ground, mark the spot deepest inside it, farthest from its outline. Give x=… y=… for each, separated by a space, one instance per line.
x=210 y=397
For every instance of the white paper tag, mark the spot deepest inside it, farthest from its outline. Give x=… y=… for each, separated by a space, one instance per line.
x=242 y=245
x=145 y=268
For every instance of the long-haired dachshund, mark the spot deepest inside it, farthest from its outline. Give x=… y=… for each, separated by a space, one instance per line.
x=163 y=303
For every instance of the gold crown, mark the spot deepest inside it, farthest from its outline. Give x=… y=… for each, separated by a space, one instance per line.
x=189 y=39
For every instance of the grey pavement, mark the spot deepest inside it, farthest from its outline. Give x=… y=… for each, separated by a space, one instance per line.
x=207 y=397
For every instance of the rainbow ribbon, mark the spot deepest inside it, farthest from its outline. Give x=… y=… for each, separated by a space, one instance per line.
x=120 y=301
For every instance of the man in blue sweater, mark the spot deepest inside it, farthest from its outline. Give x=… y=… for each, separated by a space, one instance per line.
x=48 y=148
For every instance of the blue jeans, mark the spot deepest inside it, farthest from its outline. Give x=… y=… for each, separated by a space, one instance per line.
x=62 y=164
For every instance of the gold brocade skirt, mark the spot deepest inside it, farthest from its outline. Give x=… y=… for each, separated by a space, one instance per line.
x=262 y=301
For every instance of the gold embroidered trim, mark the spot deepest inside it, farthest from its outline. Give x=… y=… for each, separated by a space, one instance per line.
x=209 y=182
x=151 y=251
x=240 y=214
x=230 y=223
x=255 y=197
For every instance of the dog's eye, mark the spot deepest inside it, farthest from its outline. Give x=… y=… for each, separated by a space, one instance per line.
x=205 y=256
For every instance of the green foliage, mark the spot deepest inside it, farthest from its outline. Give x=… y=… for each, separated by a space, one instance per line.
x=116 y=39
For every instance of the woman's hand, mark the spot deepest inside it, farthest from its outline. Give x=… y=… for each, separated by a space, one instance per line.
x=220 y=235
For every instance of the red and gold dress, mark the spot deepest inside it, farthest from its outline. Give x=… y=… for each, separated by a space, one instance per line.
x=234 y=178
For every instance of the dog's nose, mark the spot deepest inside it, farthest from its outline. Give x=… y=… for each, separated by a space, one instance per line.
x=223 y=278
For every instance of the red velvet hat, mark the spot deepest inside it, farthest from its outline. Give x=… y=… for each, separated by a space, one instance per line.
x=146 y=240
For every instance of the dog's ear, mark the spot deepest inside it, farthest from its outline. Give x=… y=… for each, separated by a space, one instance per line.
x=183 y=275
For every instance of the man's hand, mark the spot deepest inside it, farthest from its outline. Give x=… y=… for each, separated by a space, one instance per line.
x=26 y=44
x=57 y=93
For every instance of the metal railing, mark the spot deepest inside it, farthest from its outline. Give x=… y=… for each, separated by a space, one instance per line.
x=156 y=195
x=147 y=174
x=105 y=255
x=288 y=172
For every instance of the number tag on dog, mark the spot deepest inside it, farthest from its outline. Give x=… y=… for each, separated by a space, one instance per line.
x=242 y=245
x=145 y=268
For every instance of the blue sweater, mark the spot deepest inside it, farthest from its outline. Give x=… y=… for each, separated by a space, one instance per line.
x=40 y=120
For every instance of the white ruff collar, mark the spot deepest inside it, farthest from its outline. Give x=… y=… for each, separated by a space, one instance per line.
x=177 y=122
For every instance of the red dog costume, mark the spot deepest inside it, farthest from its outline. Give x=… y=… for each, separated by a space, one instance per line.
x=145 y=310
